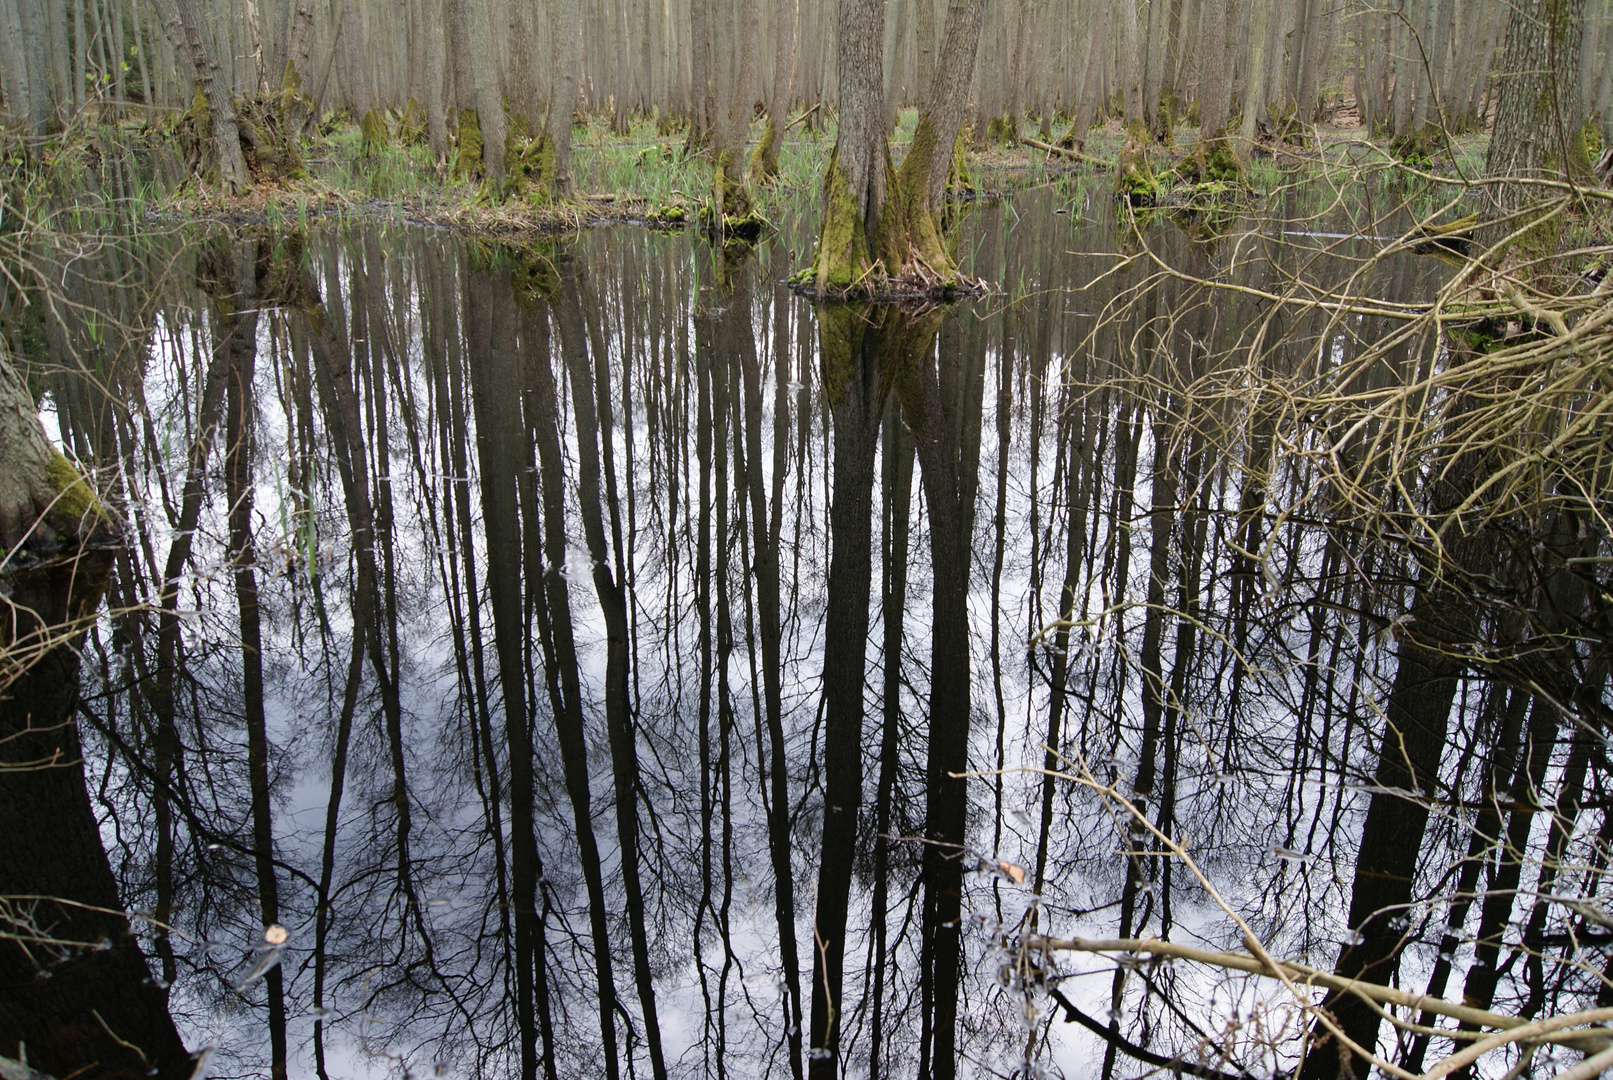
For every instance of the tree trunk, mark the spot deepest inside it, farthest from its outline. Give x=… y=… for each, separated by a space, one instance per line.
x=565 y=25
x=855 y=388
x=191 y=35
x=524 y=93
x=851 y=243
x=41 y=114
x=764 y=161
x=941 y=403
x=99 y=1010
x=1539 y=108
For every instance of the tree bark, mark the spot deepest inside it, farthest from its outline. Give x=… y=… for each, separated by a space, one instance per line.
x=565 y=26
x=1538 y=112
x=80 y=996
x=191 y=35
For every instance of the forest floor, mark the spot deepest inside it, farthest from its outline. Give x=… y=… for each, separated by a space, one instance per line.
x=648 y=178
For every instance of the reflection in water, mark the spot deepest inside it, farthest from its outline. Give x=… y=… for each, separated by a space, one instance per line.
x=601 y=660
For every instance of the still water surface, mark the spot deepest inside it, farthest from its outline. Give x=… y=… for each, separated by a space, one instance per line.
x=621 y=627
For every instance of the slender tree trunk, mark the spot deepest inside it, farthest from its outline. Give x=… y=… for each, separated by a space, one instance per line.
x=240 y=405
x=565 y=26
x=766 y=524
x=855 y=389
x=191 y=35
x=560 y=660
x=943 y=409
x=588 y=368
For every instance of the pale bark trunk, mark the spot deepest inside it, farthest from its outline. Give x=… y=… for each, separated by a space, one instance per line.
x=700 y=89
x=524 y=91
x=1538 y=110
x=948 y=94
x=565 y=26
x=1216 y=83
x=436 y=103
x=861 y=145
x=188 y=30
x=40 y=113
x=299 y=36
x=1254 y=94
x=14 y=75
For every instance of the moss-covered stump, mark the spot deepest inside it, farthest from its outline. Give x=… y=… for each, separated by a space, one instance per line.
x=732 y=213
x=468 y=146
x=1003 y=131
x=272 y=129
x=1135 y=182
x=412 y=123
x=193 y=132
x=1212 y=175
x=764 y=159
x=1419 y=148
x=1284 y=127
x=374 y=135
x=529 y=165
x=668 y=123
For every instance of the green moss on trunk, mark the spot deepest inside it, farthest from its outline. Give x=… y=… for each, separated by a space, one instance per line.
x=77 y=511
x=764 y=159
x=374 y=132
x=843 y=257
x=412 y=124
x=910 y=194
x=529 y=166
x=1214 y=165
x=468 y=146
x=1135 y=182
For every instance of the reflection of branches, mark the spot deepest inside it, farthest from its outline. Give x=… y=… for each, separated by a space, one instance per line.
x=1586 y=1029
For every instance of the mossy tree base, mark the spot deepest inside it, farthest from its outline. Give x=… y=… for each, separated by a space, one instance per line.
x=732 y=212
x=412 y=123
x=531 y=167
x=1421 y=148
x=908 y=258
x=764 y=159
x=843 y=260
x=374 y=135
x=1284 y=128
x=1135 y=182
x=468 y=147
x=271 y=128
x=1213 y=172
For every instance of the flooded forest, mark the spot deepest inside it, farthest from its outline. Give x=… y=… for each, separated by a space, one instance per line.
x=723 y=538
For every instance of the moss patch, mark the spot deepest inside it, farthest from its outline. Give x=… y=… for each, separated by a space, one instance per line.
x=842 y=258
x=77 y=512
x=468 y=146
x=412 y=123
x=1135 y=182
x=374 y=134
x=530 y=166
x=1419 y=149
x=764 y=159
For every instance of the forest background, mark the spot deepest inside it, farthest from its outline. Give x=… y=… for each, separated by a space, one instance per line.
x=1411 y=72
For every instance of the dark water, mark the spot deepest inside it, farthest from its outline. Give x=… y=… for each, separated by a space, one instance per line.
x=617 y=625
